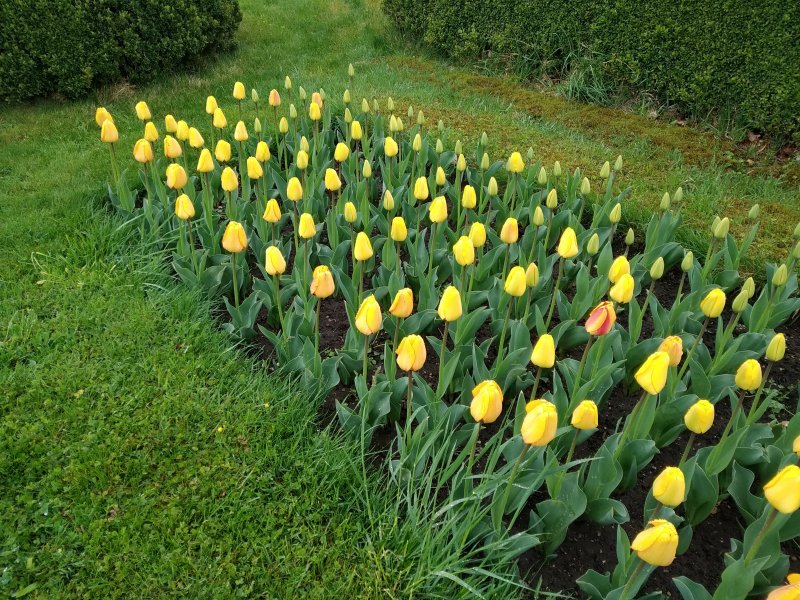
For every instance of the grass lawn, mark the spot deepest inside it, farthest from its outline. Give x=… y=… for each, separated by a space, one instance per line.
x=140 y=455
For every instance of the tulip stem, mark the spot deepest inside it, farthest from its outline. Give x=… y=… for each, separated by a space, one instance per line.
x=527 y=306
x=430 y=251
x=396 y=335
x=736 y=410
x=570 y=452
x=505 y=262
x=555 y=293
x=276 y=281
x=471 y=461
x=305 y=266
x=536 y=383
x=680 y=288
x=511 y=479
x=503 y=337
x=513 y=191
x=751 y=415
x=360 y=280
x=726 y=335
x=235 y=284
x=316 y=328
x=579 y=374
x=632 y=579
x=630 y=423
x=547 y=233
x=707 y=264
x=761 y=535
x=687 y=449
x=692 y=349
x=533 y=245
x=409 y=398
x=191 y=248
x=397 y=257
x=364 y=369
x=296 y=225
x=441 y=357
x=599 y=354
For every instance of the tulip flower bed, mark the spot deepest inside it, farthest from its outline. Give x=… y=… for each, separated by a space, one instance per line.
x=541 y=378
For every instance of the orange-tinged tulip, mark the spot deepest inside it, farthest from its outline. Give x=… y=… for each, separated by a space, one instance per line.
x=487 y=402
x=322 y=284
x=601 y=320
x=652 y=374
x=274 y=98
x=790 y=591
x=143 y=151
x=669 y=487
x=274 y=263
x=184 y=209
x=509 y=233
x=411 y=353
x=540 y=423
x=585 y=416
x=783 y=490
x=450 y=308
x=234 y=240
x=369 y=317
x=176 y=177
x=657 y=544
x=672 y=345
x=403 y=303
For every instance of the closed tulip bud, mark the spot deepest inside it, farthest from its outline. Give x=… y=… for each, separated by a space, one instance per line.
x=740 y=302
x=399 y=232
x=240 y=133
x=492 y=187
x=369 y=317
x=461 y=163
x=616 y=213
x=629 y=237
x=400 y=126
x=593 y=245
x=287 y=83
x=544 y=352
x=150 y=132
x=688 y=262
x=222 y=151
x=416 y=145
x=274 y=263
x=211 y=105
x=449 y=308
x=254 y=95
x=143 y=111
x=673 y=346
x=307 y=227
x=439 y=146
x=229 y=180
x=601 y=320
x=605 y=170
x=749 y=286
x=403 y=303
x=254 y=170
x=420 y=118
x=143 y=151
x=184 y=209
x=332 y=181
x=440 y=125
x=477 y=234
x=410 y=112
x=468 y=197
x=754 y=212
x=182 y=132
x=411 y=353
x=170 y=124
x=678 y=195
x=205 y=164
x=619 y=267
x=464 y=251
x=700 y=417
x=665 y=201
x=350 y=213
x=783 y=490
x=176 y=177
x=294 y=190
x=652 y=374
x=108 y=132
x=796 y=232
x=557 y=169
x=515 y=163
x=669 y=487
x=487 y=402
x=322 y=283
x=272 y=212
x=195 y=139
x=438 y=210
x=314 y=112
x=262 y=151
x=238 y=91
x=516 y=283
x=552 y=199
x=568 y=244
x=748 y=375
x=283 y=126
x=292 y=112
x=796 y=251
x=274 y=98
x=529 y=153
x=776 y=347
x=618 y=163
x=390 y=104
x=532 y=275
x=364 y=105
x=172 y=149
x=658 y=544
x=302 y=160
x=388 y=200
x=234 y=240
x=657 y=269
x=341 y=152
x=366 y=170
x=781 y=276
x=586 y=186
x=393 y=126
x=538 y=216
x=301 y=93
x=355 y=130
x=622 y=291
x=346 y=97
x=421 y=188
x=219 y=121
x=585 y=417
x=713 y=303
x=541 y=178
x=721 y=229
x=363 y=247
x=540 y=423
x=509 y=233
x=389 y=146
x=101 y=115
x=304 y=144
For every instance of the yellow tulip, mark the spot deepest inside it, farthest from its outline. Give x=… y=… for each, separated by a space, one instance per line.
x=616 y=213
x=605 y=170
x=205 y=164
x=619 y=267
x=399 y=231
x=314 y=112
x=403 y=303
x=622 y=291
x=176 y=177
x=515 y=163
x=652 y=374
x=369 y=317
x=781 y=276
x=657 y=270
x=487 y=402
x=776 y=348
x=108 y=132
x=586 y=187
x=355 y=130
x=172 y=149
x=182 y=133
x=307 y=227
x=150 y=132
x=390 y=147
x=449 y=308
x=302 y=160
x=657 y=544
x=254 y=170
x=195 y=139
x=544 y=352
x=416 y=145
x=272 y=212
x=713 y=303
x=568 y=244
x=540 y=423
x=552 y=199
x=341 y=152
x=541 y=178
x=184 y=209
x=672 y=345
x=515 y=284
x=220 y=122
x=438 y=210
x=783 y=490
x=411 y=353
x=748 y=375
x=700 y=417
x=238 y=91
x=388 y=200
x=366 y=170
x=274 y=263
x=441 y=178
x=669 y=487
x=601 y=320
x=464 y=251
x=101 y=115
x=322 y=283
x=211 y=105
x=363 y=247
x=240 y=133
x=332 y=181
x=509 y=233
x=538 y=216
x=721 y=228
x=350 y=213
x=491 y=188
x=229 y=180
x=143 y=111
x=143 y=151
x=274 y=98
x=477 y=234
x=585 y=416
x=532 y=275
x=593 y=245
x=421 y=188
x=234 y=240
x=222 y=151
x=790 y=591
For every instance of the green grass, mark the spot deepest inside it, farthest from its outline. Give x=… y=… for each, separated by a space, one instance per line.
x=115 y=480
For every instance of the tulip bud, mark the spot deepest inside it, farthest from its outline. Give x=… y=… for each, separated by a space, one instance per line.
x=364 y=105
x=515 y=163
x=411 y=353
x=541 y=178
x=544 y=352
x=399 y=231
x=108 y=132
x=283 y=126
x=363 y=248
x=388 y=200
x=687 y=262
x=464 y=251
x=529 y=153
x=390 y=104
x=143 y=111
x=304 y=144
x=355 y=130
x=669 y=487
x=477 y=234
x=657 y=270
x=351 y=70
x=184 y=209
x=332 y=181
x=394 y=125
x=532 y=275
x=150 y=132
x=776 y=348
x=629 y=237
x=557 y=169
x=749 y=286
x=254 y=95
x=713 y=303
x=322 y=283
x=262 y=151
x=484 y=162
x=240 y=133
x=375 y=106
x=605 y=170
x=673 y=346
x=176 y=177
x=183 y=131
x=416 y=145
x=585 y=417
x=657 y=544
x=350 y=213
x=205 y=164
x=618 y=163
x=619 y=267
x=257 y=126
x=781 y=276
x=622 y=291
x=341 y=152
x=484 y=139
x=461 y=164
x=586 y=187
x=101 y=115
x=700 y=417
x=540 y=423
x=222 y=151
x=307 y=228
x=754 y=212
x=678 y=195
x=568 y=244
x=665 y=202
x=616 y=213
x=369 y=317
x=421 y=191
x=593 y=245
x=449 y=308
x=272 y=211
x=491 y=189
x=238 y=91
x=314 y=112
x=783 y=490
x=274 y=263
x=652 y=374
x=552 y=199
x=420 y=118
x=516 y=283
x=234 y=240
x=487 y=402
x=302 y=160
x=796 y=251
x=229 y=180
x=292 y=112
x=219 y=121
x=301 y=93
x=346 y=97
x=468 y=197
x=211 y=105
x=439 y=146
x=748 y=375
x=366 y=170
x=403 y=303
x=438 y=210
x=601 y=320
x=390 y=147
x=740 y=302
x=170 y=124
x=538 y=216
x=143 y=151
x=721 y=229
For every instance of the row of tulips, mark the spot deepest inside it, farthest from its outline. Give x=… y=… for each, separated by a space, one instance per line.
x=313 y=202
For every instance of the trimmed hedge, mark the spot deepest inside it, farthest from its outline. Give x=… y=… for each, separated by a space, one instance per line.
x=70 y=46
x=738 y=59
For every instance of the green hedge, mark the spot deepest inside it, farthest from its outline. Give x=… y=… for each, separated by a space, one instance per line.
x=737 y=59
x=68 y=46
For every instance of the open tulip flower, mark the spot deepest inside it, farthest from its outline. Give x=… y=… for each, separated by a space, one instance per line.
x=493 y=259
